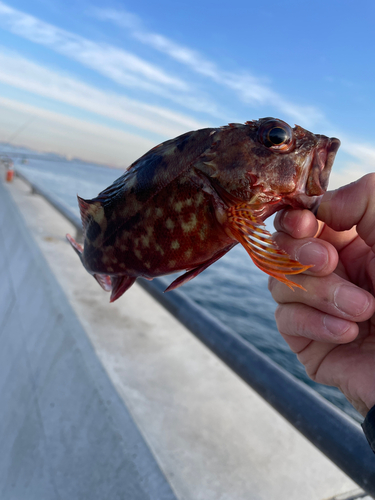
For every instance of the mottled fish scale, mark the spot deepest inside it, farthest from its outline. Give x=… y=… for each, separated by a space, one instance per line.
x=173 y=243
x=120 y=204
x=153 y=172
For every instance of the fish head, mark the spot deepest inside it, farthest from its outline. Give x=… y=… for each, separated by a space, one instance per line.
x=274 y=165
x=293 y=165
x=264 y=166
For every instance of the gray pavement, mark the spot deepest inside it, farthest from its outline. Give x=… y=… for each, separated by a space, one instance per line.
x=64 y=431
x=211 y=435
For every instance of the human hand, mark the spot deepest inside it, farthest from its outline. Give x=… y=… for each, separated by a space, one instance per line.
x=331 y=325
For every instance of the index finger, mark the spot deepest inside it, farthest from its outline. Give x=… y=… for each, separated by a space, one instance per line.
x=352 y=205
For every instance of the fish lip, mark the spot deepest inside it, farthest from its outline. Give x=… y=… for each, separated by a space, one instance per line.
x=318 y=168
x=321 y=165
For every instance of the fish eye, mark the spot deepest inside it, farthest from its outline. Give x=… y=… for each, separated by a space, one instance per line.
x=276 y=135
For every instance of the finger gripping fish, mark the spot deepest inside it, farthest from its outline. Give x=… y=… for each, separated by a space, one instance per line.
x=188 y=201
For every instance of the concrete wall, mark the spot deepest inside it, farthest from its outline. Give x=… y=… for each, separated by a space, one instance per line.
x=64 y=432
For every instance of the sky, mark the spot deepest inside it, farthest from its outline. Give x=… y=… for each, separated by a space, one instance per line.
x=107 y=81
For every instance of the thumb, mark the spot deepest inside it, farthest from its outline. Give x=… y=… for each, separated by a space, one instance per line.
x=352 y=205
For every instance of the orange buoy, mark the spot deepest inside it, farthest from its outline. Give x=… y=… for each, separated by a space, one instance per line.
x=9 y=175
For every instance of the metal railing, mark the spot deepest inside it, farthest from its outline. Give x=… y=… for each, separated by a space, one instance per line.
x=60 y=206
x=325 y=426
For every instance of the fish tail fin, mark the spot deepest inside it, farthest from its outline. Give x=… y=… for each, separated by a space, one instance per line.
x=104 y=281
x=117 y=285
x=89 y=210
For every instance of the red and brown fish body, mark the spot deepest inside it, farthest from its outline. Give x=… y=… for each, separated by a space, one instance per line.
x=188 y=201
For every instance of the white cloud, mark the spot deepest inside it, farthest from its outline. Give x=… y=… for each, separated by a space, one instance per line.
x=364 y=152
x=120 y=66
x=249 y=89
x=50 y=131
x=117 y=64
x=347 y=174
x=21 y=73
x=358 y=160
x=129 y=70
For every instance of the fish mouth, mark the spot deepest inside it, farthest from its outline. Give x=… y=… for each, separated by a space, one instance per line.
x=321 y=165
x=321 y=162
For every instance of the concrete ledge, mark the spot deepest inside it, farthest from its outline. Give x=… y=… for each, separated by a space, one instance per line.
x=212 y=436
x=64 y=431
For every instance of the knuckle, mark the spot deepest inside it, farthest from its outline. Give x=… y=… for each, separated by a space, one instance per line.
x=368 y=181
x=278 y=315
x=271 y=284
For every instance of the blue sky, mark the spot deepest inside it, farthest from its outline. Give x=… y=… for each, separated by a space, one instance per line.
x=107 y=81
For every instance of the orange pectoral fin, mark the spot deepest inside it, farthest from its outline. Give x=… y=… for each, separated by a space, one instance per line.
x=257 y=241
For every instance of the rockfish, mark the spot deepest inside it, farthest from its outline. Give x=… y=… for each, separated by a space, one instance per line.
x=188 y=201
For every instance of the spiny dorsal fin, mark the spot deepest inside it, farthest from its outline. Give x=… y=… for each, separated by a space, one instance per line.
x=89 y=210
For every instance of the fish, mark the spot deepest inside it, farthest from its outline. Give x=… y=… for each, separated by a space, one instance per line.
x=188 y=201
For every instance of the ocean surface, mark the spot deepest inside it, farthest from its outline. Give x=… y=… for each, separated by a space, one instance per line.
x=233 y=289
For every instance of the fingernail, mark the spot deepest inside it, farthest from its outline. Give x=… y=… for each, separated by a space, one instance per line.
x=350 y=300
x=336 y=326
x=314 y=254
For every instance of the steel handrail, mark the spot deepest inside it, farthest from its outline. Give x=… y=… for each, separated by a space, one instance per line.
x=58 y=204
x=325 y=426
